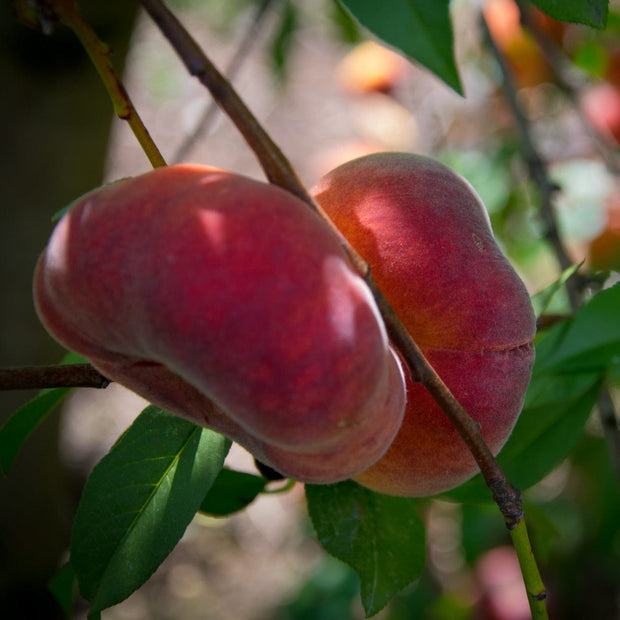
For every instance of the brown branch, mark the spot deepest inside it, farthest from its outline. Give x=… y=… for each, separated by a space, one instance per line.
x=248 y=39
x=280 y=172
x=276 y=167
x=41 y=377
x=537 y=167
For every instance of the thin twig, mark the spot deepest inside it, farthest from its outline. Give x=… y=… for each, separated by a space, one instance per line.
x=539 y=174
x=41 y=377
x=277 y=169
x=69 y=14
x=248 y=39
x=537 y=167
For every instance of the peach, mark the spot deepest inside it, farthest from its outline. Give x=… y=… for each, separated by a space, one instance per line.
x=430 y=247
x=229 y=302
x=601 y=105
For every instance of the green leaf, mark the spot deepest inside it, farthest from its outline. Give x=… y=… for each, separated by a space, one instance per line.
x=421 y=29
x=138 y=501
x=542 y=299
x=24 y=421
x=588 y=12
x=380 y=537
x=591 y=340
x=63 y=588
x=232 y=491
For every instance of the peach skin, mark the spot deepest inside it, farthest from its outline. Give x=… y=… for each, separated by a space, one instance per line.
x=229 y=302
x=430 y=247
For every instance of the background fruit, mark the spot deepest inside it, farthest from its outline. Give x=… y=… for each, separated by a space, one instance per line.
x=229 y=302
x=601 y=105
x=430 y=247
x=370 y=67
x=526 y=60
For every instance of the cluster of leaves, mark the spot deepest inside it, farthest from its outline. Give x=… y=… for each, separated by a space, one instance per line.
x=140 y=498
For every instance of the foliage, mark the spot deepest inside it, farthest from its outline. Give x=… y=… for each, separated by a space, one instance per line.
x=140 y=498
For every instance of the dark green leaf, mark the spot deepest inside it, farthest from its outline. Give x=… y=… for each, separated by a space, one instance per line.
x=24 y=421
x=379 y=536
x=63 y=587
x=138 y=501
x=590 y=341
x=231 y=491
x=542 y=299
x=588 y=12
x=421 y=29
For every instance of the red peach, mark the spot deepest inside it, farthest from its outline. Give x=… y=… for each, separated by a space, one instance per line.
x=429 y=244
x=229 y=302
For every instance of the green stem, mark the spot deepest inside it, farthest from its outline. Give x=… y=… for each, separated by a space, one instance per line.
x=99 y=53
x=534 y=586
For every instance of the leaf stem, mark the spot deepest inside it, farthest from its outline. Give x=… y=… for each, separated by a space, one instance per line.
x=69 y=14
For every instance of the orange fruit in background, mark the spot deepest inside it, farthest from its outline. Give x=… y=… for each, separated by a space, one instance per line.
x=370 y=67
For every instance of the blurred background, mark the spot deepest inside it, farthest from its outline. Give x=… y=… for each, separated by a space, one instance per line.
x=326 y=91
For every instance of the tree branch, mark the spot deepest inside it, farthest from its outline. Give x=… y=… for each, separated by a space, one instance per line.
x=537 y=168
x=41 y=377
x=276 y=167
x=248 y=39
